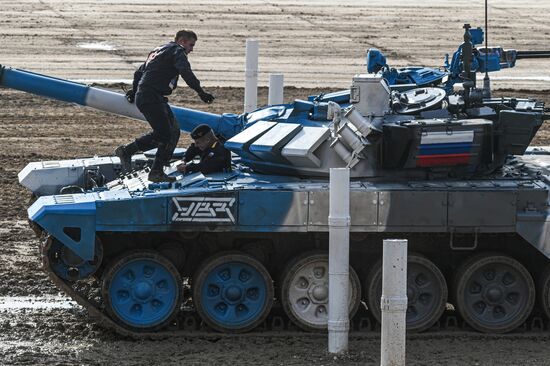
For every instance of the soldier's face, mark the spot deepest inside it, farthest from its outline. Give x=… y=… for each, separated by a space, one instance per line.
x=188 y=44
x=202 y=142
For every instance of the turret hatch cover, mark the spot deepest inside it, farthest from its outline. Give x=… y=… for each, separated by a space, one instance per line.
x=417 y=100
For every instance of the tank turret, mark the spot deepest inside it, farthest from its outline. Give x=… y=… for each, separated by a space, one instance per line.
x=378 y=132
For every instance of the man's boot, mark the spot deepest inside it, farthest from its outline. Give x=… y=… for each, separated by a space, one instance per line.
x=125 y=153
x=157 y=175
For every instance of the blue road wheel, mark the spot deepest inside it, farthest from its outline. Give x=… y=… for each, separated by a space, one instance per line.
x=232 y=292
x=142 y=291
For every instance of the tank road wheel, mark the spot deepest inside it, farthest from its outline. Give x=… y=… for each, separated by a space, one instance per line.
x=544 y=291
x=304 y=291
x=494 y=293
x=142 y=291
x=232 y=292
x=426 y=292
x=69 y=266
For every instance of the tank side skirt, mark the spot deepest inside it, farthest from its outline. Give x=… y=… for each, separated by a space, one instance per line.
x=455 y=209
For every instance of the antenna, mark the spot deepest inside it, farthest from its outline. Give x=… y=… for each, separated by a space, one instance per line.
x=486 y=81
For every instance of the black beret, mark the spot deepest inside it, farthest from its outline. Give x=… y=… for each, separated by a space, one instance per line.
x=200 y=131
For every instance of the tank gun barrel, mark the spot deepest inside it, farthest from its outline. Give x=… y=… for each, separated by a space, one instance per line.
x=532 y=54
x=108 y=101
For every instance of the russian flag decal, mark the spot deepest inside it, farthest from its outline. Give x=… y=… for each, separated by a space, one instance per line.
x=445 y=148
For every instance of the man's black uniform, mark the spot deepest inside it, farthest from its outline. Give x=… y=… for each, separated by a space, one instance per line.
x=154 y=80
x=215 y=158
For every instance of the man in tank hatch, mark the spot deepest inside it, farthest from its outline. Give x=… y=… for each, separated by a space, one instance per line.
x=156 y=78
x=214 y=157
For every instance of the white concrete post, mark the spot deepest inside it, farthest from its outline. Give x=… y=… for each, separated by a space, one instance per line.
x=275 y=95
x=394 y=303
x=251 y=76
x=338 y=261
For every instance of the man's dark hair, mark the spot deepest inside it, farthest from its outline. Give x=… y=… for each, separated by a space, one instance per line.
x=186 y=34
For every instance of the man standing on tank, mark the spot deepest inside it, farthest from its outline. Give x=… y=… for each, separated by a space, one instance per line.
x=156 y=78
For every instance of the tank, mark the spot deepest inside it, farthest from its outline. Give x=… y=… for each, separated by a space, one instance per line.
x=439 y=163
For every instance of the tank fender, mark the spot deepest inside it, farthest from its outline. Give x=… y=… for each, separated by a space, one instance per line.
x=70 y=219
x=534 y=227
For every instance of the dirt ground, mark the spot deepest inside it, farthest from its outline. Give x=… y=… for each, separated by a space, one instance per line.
x=317 y=46
x=313 y=42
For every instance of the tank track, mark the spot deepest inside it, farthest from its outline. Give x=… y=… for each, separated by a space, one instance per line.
x=277 y=324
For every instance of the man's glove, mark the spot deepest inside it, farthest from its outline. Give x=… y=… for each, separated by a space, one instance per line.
x=206 y=97
x=131 y=96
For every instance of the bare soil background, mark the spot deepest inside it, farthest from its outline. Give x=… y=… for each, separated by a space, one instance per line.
x=313 y=42
x=318 y=47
